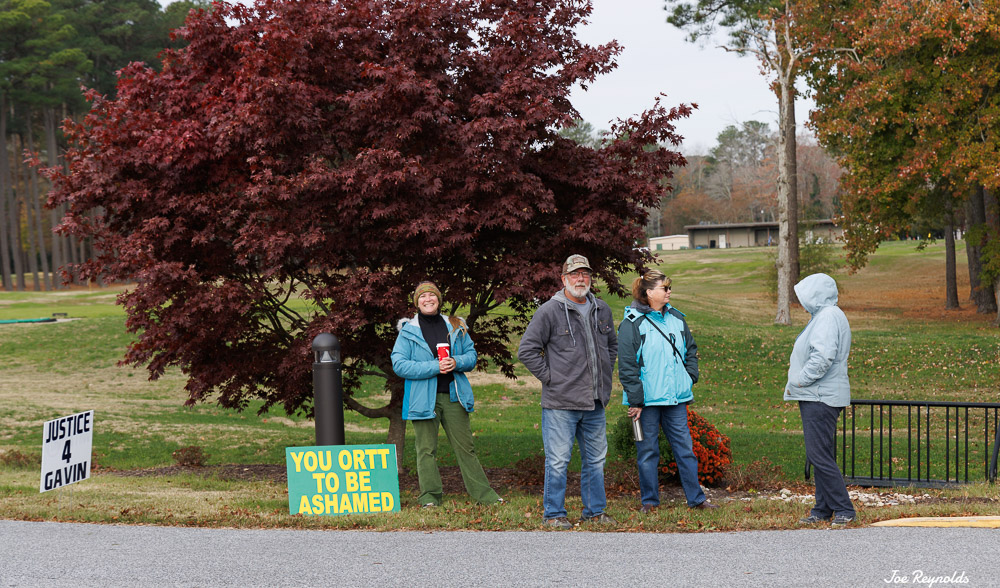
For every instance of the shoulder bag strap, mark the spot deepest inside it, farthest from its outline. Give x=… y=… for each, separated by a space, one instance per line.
x=669 y=340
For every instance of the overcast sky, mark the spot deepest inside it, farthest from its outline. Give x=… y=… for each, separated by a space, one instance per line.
x=728 y=89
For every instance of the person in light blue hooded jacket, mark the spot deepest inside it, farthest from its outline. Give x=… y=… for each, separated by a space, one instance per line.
x=437 y=393
x=818 y=381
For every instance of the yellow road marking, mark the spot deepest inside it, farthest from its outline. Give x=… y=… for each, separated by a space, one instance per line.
x=990 y=522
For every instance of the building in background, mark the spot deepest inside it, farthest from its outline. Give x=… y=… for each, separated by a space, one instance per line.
x=669 y=243
x=709 y=236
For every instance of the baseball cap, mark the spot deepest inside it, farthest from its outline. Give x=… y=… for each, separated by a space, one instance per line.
x=575 y=262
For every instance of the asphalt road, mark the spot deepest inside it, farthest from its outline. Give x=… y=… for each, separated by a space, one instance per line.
x=54 y=554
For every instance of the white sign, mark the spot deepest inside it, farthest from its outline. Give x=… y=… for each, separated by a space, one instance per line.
x=66 y=449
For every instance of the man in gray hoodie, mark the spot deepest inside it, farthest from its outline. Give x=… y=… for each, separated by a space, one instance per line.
x=571 y=346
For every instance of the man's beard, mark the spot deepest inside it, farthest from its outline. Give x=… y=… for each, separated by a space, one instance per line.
x=580 y=291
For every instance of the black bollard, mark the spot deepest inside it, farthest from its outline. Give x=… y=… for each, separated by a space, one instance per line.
x=328 y=396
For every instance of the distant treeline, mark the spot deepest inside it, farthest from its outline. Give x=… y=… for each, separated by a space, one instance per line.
x=50 y=52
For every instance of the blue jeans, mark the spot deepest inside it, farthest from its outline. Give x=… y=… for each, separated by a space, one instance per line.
x=559 y=428
x=674 y=422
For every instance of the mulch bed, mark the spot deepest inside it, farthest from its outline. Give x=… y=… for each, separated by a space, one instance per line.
x=528 y=480
x=526 y=476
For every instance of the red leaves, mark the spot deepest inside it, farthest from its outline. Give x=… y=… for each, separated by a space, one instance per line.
x=710 y=447
x=303 y=169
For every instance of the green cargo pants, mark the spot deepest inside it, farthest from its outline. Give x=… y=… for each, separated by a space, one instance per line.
x=454 y=419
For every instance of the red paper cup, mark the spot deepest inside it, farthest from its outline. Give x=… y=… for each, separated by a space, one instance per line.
x=444 y=351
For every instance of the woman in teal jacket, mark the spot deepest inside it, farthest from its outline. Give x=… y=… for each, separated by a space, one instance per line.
x=437 y=394
x=657 y=365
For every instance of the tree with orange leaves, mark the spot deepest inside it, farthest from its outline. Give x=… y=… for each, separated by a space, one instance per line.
x=913 y=113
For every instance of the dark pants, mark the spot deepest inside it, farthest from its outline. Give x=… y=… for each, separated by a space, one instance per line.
x=674 y=422
x=819 y=427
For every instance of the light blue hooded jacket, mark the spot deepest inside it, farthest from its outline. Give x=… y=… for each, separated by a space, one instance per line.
x=817 y=369
x=652 y=371
x=413 y=361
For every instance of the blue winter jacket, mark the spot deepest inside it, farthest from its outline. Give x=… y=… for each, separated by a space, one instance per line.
x=652 y=372
x=413 y=361
x=817 y=370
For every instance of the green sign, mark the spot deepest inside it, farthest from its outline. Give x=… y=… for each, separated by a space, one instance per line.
x=342 y=479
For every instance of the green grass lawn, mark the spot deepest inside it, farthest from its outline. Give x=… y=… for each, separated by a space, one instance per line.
x=904 y=347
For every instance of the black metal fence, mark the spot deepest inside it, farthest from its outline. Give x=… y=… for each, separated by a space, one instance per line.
x=912 y=443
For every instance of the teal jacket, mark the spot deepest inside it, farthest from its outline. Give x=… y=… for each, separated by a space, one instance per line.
x=413 y=361
x=817 y=368
x=652 y=371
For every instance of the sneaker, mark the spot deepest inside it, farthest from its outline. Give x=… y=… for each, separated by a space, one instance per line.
x=501 y=501
x=428 y=505
x=603 y=518
x=561 y=523
x=812 y=520
x=841 y=520
x=647 y=508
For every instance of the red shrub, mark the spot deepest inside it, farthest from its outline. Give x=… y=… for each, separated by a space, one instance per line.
x=710 y=447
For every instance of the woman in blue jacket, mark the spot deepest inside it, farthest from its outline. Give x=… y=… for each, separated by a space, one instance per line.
x=657 y=365
x=437 y=393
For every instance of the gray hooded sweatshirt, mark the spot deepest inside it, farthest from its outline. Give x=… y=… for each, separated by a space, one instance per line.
x=817 y=369
x=572 y=357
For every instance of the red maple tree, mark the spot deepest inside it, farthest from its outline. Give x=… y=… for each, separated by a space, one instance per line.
x=299 y=167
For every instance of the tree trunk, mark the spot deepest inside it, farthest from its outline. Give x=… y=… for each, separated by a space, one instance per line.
x=71 y=259
x=47 y=276
x=996 y=300
x=4 y=196
x=83 y=257
x=14 y=234
x=397 y=435
x=951 y=282
x=392 y=412
x=29 y=213
x=39 y=223
x=791 y=171
x=30 y=190
x=980 y=293
x=992 y=208
x=975 y=215
x=52 y=155
x=788 y=208
x=93 y=252
x=58 y=259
